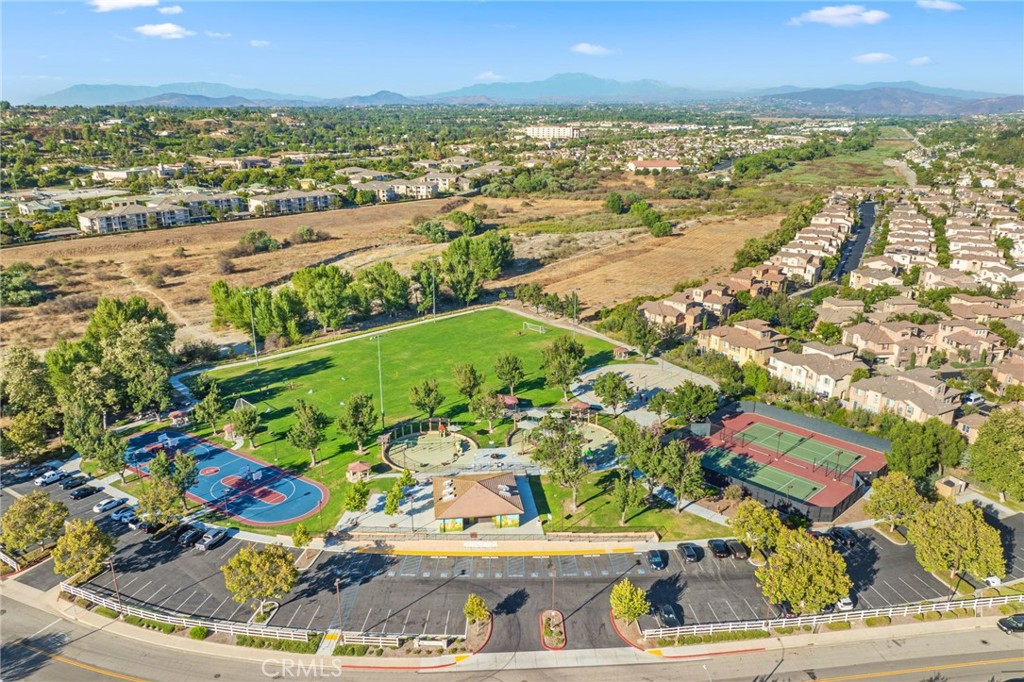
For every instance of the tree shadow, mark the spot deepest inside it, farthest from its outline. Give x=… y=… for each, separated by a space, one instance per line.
x=667 y=590
x=24 y=658
x=512 y=603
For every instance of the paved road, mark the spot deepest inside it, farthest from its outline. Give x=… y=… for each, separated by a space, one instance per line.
x=39 y=648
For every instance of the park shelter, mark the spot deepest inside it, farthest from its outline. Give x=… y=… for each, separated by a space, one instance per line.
x=621 y=353
x=358 y=471
x=463 y=500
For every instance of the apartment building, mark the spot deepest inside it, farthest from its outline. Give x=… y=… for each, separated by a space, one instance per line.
x=747 y=341
x=823 y=370
x=133 y=217
x=291 y=201
x=916 y=395
x=552 y=132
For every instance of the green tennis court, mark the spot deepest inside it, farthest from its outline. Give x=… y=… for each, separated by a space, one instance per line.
x=761 y=475
x=792 y=445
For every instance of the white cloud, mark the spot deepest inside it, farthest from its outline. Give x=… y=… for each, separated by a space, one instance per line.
x=488 y=77
x=171 y=9
x=259 y=43
x=215 y=34
x=920 y=61
x=165 y=31
x=591 y=49
x=843 y=16
x=941 y=5
x=114 y=5
x=874 y=58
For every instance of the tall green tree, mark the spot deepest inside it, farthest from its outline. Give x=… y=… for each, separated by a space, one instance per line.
x=260 y=574
x=24 y=383
x=325 y=291
x=393 y=501
x=24 y=437
x=628 y=601
x=82 y=550
x=246 y=421
x=805 y=571
x=184 y=476
x=564 y=359
x=308 y=430
x=612 y=388
x=426 y=396
x=357 y=419
x=32 y=519
x=955 y=538
x=756 y=525
x=997 y=456
x=894 y=499
x=626 y=494
x=356 y=497
x=692 y=401
x=508 y=367
x=475 y=609
x=158 y=500
x=468 y=379
x=560 y=450
x=210 y=408
x=381 y=286
x=641 y=333
x=109 y=454
x=489 y=406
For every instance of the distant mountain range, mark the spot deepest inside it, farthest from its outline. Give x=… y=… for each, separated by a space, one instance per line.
x=877 y=99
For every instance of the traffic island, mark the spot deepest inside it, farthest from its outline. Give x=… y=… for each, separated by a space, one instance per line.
x=552 y=630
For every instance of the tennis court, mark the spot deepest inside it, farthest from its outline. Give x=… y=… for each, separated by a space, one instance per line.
x=803 y=448
x=764 y=476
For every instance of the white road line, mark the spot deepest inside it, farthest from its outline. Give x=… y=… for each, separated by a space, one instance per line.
x=313 y=617
x=367 y=619
x=733 y=611
x=912 y=589
x=219 y=607
x=406 y=623
x=140 y=589
x=153 y=596
x=863 y=598
x=930 y=587
x=232 y=616
x=45 y=627
x=172 y=594
x=201 y=604
x=386 y=618
x=295 y=613
x=756 y=614
x=713 y=614
x=898 y=595
x=125 y=586
x=187 y=598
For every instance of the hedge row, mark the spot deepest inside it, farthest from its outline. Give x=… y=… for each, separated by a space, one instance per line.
x=875 y=621
x=839 y=625
x=104 y=611
x=308 y=647
x=723 y=637
x=165 y=628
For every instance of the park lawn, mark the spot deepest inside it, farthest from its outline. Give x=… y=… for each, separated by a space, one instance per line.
x=856 y=168
x=327 y=375
x=597 y=511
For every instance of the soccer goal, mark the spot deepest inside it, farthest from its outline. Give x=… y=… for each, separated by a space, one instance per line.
x=531 y=327
x=242 y=402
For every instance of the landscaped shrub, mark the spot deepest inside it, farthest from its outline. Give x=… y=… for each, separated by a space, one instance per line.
x=104 y=611
x=84 y=603
x=723 y=637
x=308 y=647
x=930 y=615
x=786 y=630
x=165 y=628
x=878 y=620
x=351 y=650
x=841 y=625
x=199 y=632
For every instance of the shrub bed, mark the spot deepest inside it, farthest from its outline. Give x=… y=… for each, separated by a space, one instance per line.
x=875 y=621
x=351 y=650
x=785 y=630
x=199 y=632
x=104 y=611
x=931 y=615
x=308 y=647
x=841 y=625
x=165 y=628
x=1012 y=608
x=723 y=637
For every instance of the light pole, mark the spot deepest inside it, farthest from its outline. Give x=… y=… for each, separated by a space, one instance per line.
x=337 y=591
x=117 y=592
x=380 y=378
x=252 y=320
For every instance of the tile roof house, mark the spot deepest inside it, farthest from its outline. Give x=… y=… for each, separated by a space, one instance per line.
x=823 y=370
x=462 y=500
x=969 y=424
x=916 y=395
x=1010 y=370
x=838 y=310
x=747 y=341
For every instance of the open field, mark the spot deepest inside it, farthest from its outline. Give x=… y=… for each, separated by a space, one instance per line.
x=597 y=511
x=327 y=376
x=857 y=168
x=109 y=265
x=636 y=264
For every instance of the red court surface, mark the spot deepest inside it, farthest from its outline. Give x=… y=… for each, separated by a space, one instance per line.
x=261 y=493
x=834 y=490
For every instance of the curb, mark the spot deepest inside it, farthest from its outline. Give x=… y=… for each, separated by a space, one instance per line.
x=565 y=633
x=615 y=627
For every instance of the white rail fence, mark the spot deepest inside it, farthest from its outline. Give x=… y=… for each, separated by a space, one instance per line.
x=371 y=639
x=9 y=561
x=821 y=619
x=225 y=626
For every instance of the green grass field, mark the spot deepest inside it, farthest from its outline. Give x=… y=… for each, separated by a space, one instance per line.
x=327 y=375
x=857 y=168
x=597 y=512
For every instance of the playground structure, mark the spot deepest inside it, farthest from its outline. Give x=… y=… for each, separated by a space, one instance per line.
x=426 y=445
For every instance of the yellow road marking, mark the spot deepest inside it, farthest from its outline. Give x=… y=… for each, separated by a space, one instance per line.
x=488 y=553
x=655 y=652
x=927 y=669
x=84 y=666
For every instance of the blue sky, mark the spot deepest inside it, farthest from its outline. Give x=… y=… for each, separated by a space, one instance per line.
x=335 y=49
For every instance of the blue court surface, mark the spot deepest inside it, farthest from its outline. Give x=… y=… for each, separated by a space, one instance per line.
x=246 y=489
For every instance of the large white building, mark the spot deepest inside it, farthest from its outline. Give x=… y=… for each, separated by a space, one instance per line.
x=552 y=132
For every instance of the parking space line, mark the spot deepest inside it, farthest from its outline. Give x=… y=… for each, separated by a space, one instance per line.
x=232 y=616
x=367 y=619
x=186 y=599
x=898 y=594
x=756 y=614
x=228 y=548
x=219 y=607
x=736 y=615
x=713 y=614
x=153 y=596
x=912 y=589
x=136 y=594
x=165 y=600
x=384 y=628
x=309 y=625
x=201 y=604
x=425 y=621
x=934 y=589
x=289 y=624
x=405 y=623
x=125 y=586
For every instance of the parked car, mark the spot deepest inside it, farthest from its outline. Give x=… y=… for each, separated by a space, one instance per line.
x=667 y=617
x=993 y=581
x=36 y=472
x=83 y=492
x=50 y=477
x=737 y=549
x=134 y=522
x=109 y=503
x=689 y=552
x=211 y=539
x=656 y=560
x=72 y=483
x=150 y=527
x=124 y=515
x=719 y=549
x=191 y=537
x=845 y=604
x=975 y=399
x=843 y=536
x=1013 y=623
x=181 y=529
x=10 y=477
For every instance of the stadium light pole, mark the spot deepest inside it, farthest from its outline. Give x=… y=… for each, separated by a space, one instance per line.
x=380 y=378
x=252 y=320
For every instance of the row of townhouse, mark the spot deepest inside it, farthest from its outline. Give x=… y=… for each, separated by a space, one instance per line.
x=916 y=395
x=425 y=187
x=453 y=163
x=903 y=344
x=692 y=309
x=133 y=217
x=826 y=371
x=803 y=257
x=163 y=171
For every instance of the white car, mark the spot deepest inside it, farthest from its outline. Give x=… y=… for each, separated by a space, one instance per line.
x=109 y=503
x=50 y=477
x=844 y=604
x=123 y=515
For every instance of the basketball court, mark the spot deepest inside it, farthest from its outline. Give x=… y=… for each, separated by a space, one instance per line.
x=246 y=489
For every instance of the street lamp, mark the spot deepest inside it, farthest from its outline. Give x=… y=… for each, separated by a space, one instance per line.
x=380 y=378
x=252 y=320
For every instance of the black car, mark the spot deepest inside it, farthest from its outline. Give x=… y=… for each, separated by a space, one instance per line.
x=667 y=616
x=737 y=549
x=83 y=492
x=149 y=528
x=190 y=538
x=843 y=536
x=182 y=529
x=10 y=477
x=689 y=552
x=719 y=549
x=1013 y=623
x=72 y=483
x=656 y=560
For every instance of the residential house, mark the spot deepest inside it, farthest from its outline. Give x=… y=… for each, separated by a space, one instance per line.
x=747 y=341
x=823 y=370
x=132 y=217
x=916 y=395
